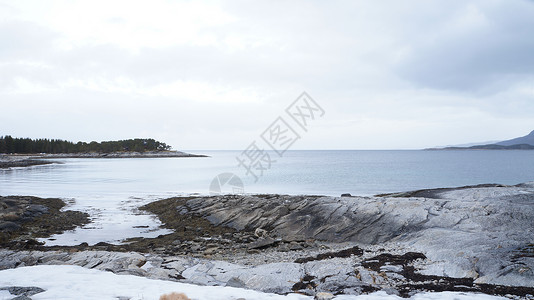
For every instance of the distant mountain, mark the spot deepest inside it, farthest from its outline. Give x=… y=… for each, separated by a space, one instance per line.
x=527 y=139
x=470 y=144
x=521 y=143
x=490 y=147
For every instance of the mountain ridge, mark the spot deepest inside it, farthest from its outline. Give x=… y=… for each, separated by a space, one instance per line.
x=521 y=143
x=527 y=139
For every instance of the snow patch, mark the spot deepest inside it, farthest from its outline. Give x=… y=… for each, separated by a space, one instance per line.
x=74 y=282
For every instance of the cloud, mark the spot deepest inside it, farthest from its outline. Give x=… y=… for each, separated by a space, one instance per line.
x=214 y=74
x=24 y=40
x=481 y=47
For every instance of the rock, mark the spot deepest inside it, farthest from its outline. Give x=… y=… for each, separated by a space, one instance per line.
x=346 y=195
x=283 y=248
x=261 y=233
x=477 y=220
x=9 y=226
x=391 y=291
x=391 y=268
x=235 y=282
x=24 y=291
x=211 y=251
x=293 y=246
x=283 y=210
x=196 y=248
x=272 y=278
x=37 y=209
x=454 y=239
x=263 y=243
x=323 y=296
x=21 y=298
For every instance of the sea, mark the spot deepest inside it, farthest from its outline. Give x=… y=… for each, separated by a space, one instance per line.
x=111 y=189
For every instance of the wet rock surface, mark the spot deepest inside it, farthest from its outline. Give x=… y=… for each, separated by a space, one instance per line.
x=15 y=161
x=24 y=219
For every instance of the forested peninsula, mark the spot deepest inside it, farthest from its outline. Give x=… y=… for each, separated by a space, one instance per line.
x=25 y=152
x=12 y=145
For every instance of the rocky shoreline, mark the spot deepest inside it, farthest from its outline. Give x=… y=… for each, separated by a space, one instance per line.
x=129 y=154
x=24 y=219
x=17 y=160
x=470 y=239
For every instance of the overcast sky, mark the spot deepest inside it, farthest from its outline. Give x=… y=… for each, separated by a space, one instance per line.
x=215 y=74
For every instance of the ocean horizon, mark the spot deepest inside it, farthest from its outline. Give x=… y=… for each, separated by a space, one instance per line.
x=322 y=172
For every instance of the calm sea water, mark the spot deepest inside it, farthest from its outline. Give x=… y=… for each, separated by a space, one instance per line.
x=111 y=189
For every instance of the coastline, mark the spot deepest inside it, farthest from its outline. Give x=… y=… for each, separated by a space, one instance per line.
x=26 y=160
x=132 y=154
x=452 y=239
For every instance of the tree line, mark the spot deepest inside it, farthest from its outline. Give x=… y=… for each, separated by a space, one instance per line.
x=9 y=144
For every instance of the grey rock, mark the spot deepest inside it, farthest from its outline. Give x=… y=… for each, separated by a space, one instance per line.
x=483 y=233
x=235 y=282
x=465 y=232
x=21 y=298
x=261 y=233
x=283 y=248
x=9 y=226
x=37 y=209
x=391 y=268
x=391 y=291
x=196 y=248
x=295 y=246
x=211 y=251
x=23 y=291
x=263 y=243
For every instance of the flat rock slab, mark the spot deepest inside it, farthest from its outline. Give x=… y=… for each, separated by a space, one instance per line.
x=484 y=232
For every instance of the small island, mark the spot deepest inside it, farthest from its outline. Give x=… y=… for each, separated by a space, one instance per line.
x=24 y=152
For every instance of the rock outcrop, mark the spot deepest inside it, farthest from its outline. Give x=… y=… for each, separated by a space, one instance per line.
x=471 y=239
x=24 y=218
x=485 y=233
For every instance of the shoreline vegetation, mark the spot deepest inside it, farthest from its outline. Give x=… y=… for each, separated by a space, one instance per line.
x=12 y=145
x=25 y=152
x=451 y=239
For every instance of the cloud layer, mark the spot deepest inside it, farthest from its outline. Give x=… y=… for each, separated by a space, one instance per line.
x=215 y=74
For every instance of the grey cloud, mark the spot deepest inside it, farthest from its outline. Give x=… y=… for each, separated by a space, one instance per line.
x=484 y=61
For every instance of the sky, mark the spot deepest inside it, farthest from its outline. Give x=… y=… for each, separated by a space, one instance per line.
x=216 y=74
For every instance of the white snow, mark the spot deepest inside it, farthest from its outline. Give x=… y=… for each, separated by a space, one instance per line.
x=73 y=282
